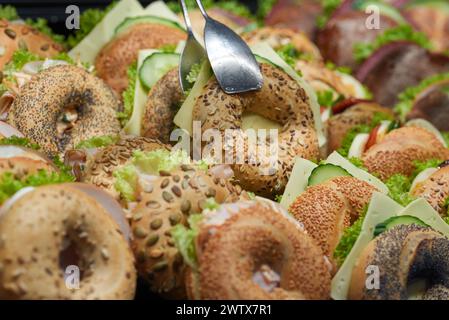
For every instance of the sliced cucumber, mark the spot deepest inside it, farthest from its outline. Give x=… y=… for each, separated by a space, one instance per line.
x=156 y=66
x=326 y=172
x=396 y=221
x=265 y=60
x=131 y=21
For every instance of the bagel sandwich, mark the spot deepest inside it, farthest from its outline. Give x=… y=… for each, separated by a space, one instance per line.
x=29 y=34
x=389 y=232
x=251 y=250
x=162 y=189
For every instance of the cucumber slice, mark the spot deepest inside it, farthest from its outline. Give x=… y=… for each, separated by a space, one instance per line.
x=396 y=221
x=326 y=172
x=131 y=21
x=156 y=66
x=261 y=59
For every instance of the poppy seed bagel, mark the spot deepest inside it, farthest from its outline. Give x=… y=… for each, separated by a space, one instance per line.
x=62 y=106
x=340 y=124
x=278 y=37
x=113 y=60
x=435 y=190
x=327 y=209
x=169 y=201
x=100 y=170
x=399 y=149
x=15 y=36
x=282 y=100
x=56 y=226
x=162 y=104
x=403 y=254
x=254 y=251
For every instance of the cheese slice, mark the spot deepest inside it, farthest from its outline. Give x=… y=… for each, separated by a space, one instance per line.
x=298 y=181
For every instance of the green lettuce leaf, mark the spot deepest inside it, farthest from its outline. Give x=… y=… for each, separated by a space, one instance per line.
x=349 y=238
x=194 y=73
x=9 y=184
x=401 y=33
x=19 y=58
x=128 y=95
x=407 y=97
x=8 y=12
x=97 y=142
x=329 y=7
x=18 y=141
x=264 y=8
x=184 y=238
x=126 y=180
x=88 y=20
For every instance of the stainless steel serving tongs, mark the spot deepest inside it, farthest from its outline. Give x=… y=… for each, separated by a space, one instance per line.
x=232 y=61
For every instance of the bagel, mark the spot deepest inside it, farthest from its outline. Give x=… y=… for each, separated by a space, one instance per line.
x=253 y=250
x=113 y=60
x=360 y=112
x=162 y=104
x=49 y=223
x=100 y=170
x=282 y=100
x=327 y=209
x=278 y=37
x=171 y=198
x=15 y=36
x=399 y=149
x=435 y=190
x=62 y=106
x=403 y=254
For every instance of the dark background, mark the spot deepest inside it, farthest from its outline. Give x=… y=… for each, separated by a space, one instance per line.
x=54 y=10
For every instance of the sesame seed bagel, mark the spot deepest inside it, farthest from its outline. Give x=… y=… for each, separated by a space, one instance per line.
x=339 y=125
x=162 y=104
x=403 y=254
x=278 y=37
x=113 y=60
x=14 y=36
x=327 y=209
x=168 y=201
x=253 y=250
x=400 y=148
x=435 y=190
x=282 y=100
x=100 y=170
x=62 y=106
x=56 y=226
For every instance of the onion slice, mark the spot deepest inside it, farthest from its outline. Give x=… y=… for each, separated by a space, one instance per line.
x=7 y=131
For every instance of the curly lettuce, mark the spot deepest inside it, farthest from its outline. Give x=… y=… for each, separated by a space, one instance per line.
x=407 y=97
x=150 y=163
x=97 y=142
x=328 y=99
x=88 y=20
x=9 y=184
x=128 y=95
x=19 y=141
x=264 y=8
x=401 y=33
x=184 y=238
x=8 y=12
x=18 y=60
x=194 y=73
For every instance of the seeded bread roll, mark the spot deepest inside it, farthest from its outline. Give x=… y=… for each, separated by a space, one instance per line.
x=100 y=170
x=14 y=36
x=115 y=58
x=169 y=201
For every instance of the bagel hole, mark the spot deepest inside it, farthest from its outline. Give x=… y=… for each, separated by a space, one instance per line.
x=251 y=120
x=69 y=256
x=267 y=278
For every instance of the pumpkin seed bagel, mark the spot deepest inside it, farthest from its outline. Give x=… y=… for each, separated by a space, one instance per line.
x=100 y=170
x=113 y=60
x=162 y=104
x=254 y=250
x=282 y=100
x=50 y=228
x=172 y=197
x=14 y=36
x=62 y=106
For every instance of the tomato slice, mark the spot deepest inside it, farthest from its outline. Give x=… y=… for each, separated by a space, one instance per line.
x=372 y=138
